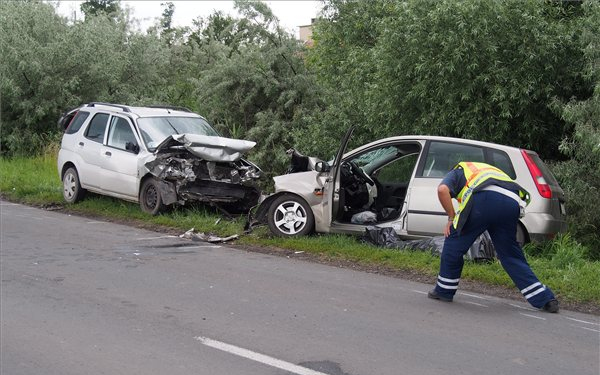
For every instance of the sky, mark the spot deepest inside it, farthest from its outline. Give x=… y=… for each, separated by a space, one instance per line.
x=291 y=13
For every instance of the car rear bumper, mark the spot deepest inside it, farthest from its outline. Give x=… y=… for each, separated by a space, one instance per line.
x=543 y=227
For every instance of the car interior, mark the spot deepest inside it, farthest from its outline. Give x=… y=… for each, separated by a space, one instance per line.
x=373 y=184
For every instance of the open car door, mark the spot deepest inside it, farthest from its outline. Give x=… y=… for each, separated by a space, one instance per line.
x=331 y=189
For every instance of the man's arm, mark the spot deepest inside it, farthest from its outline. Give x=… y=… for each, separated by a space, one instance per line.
x=446 y=201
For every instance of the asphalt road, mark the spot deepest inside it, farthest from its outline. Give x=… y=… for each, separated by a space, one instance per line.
x=88 y=297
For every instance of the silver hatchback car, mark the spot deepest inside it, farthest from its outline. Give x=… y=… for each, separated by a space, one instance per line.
x=393 y=182
x=157 y=156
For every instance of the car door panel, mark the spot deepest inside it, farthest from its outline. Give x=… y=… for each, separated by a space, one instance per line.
x=90 y=147
x=120 y=166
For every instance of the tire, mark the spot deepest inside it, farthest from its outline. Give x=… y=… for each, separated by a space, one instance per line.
x=72 y=190
x=150 y=198
x=290 y=216
x=522 y=237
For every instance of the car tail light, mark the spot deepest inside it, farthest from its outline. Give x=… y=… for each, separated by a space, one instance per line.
x=538 y=177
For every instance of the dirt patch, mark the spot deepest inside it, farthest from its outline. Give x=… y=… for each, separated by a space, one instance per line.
x=412 y=275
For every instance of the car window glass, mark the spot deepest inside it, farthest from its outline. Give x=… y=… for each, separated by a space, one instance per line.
x=375 y=157
x=501 y=160
x=443 y=156
x=97 y=127
x=399 y=170
x=120 y=133
x=154 y=130
x=76 y=122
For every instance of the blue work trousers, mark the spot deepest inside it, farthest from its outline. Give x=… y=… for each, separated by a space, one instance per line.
x=499 y=215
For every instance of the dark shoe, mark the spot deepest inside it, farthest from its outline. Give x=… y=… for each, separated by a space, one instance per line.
x=433 y=295
x=551 y=306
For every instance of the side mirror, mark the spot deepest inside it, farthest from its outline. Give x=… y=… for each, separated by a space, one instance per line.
x=133 y=147
x=322 y=167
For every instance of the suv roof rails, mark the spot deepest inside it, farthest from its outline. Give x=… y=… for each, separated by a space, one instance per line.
x=123 y=107
x=175 y=108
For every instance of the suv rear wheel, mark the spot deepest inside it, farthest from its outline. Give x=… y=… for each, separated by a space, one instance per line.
x=150 y=199
x=72 y=190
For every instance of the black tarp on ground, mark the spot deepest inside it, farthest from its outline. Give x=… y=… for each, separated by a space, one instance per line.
x=482 y=248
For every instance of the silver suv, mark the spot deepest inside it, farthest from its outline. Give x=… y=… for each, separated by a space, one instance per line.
x=393 y=182
x=157 y=156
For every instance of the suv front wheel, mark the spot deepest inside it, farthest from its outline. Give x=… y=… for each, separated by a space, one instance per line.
x=150 y=198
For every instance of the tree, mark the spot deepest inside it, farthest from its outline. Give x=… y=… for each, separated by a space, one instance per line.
x=579 y=176
x=92 y=8
x=49 y=65
x=253 y=82
x=484 y=70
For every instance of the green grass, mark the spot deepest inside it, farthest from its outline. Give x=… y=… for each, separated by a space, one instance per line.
x=561 y=264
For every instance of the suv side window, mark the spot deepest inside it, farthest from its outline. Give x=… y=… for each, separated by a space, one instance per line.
x=76 y=122
x=443 y=156
x=501 y=160
x=97 y=127
x=120 y=133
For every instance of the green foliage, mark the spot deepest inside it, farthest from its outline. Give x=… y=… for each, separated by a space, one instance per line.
x=252 y=81
x=49 y=66
x=477 y=69
x=579 y=176
x=93 y=8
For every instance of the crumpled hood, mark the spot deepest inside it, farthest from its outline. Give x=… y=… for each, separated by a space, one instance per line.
x=207 y=147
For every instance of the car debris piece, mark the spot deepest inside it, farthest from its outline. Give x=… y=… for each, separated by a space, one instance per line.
x=207 y=237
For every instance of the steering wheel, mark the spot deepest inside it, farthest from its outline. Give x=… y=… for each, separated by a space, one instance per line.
x=358 y=171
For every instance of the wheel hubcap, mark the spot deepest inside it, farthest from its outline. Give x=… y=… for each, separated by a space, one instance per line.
x=69 y=186
x=290 y=217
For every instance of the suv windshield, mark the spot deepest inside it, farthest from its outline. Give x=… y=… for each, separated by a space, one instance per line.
x=156 y=129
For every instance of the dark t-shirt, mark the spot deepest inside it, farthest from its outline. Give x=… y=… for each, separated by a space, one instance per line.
x=455 y=180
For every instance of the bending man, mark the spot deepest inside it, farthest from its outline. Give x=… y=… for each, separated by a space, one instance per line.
x=488 y=200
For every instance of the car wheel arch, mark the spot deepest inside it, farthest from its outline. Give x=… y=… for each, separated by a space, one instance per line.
x=65 y=167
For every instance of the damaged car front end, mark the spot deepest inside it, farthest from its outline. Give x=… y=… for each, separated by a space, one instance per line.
x=208 y=169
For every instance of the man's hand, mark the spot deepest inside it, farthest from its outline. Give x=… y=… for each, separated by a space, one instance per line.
x=447 y=229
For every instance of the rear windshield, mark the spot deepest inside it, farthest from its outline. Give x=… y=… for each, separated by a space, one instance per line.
x=550 y=180
x=156 y=129
x=76 y=122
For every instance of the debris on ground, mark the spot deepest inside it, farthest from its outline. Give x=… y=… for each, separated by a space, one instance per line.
x=207 y=237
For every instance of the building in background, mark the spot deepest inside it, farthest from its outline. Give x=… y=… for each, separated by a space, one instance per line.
x=306 y=33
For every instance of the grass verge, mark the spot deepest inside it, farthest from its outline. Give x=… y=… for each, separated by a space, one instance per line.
x=560 y=264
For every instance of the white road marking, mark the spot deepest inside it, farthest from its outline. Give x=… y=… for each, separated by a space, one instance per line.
x=521 y=307
x=533 y=316
x=96 y=222
x=474 y=296
x=589 y=329
x=418 y=291
x=582 y=321
x=257 y=357
x=475 y=303
x=155 y=238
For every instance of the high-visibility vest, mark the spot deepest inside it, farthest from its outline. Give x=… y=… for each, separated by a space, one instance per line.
x=478 y=176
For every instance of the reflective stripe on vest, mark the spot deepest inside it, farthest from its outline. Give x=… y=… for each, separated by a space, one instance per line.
x=476 y=174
